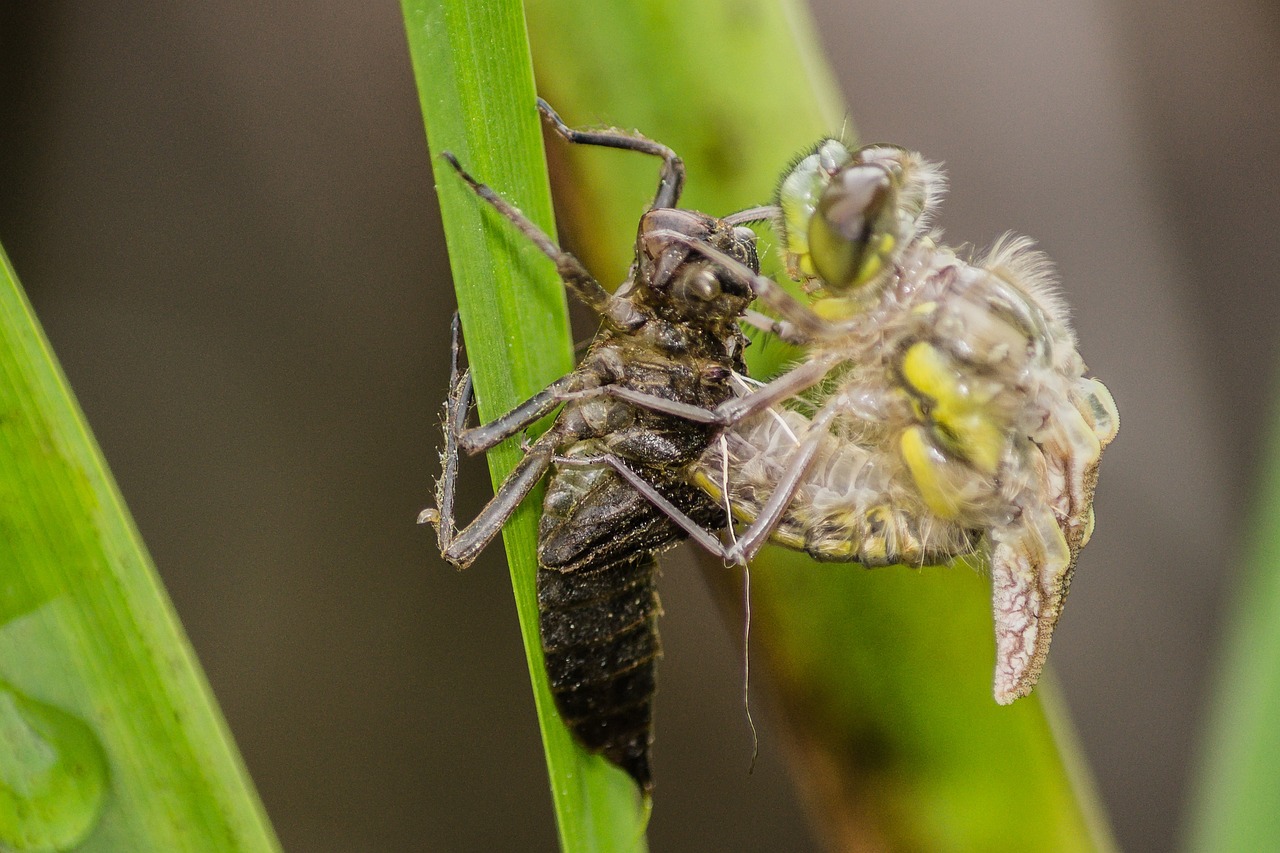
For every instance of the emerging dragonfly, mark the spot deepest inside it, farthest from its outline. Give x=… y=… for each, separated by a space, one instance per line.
x=948 y=400
x=942 y=408
x=670 y=342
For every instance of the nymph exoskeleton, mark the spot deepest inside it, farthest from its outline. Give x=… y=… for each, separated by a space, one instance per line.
x=954 y=384
x=669 y=343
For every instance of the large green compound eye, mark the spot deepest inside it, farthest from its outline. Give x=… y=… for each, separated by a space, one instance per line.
x=799 y=192
x=851 y=234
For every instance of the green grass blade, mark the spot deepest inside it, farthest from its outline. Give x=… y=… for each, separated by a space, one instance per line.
x=1234 y=807
x=884 y=676
x=109 y=736
x=475 y=80
x=727 y=85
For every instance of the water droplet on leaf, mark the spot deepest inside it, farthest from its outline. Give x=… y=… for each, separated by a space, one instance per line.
x=53 y=774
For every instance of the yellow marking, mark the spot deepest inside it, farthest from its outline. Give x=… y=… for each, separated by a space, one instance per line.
x=708 y=485
x=834 y=308
x=881 y=251
x=887 y=243
x=871 y=268
x=742 y=513
x=876 y=549
x=966 y=427
x=782 y=536
x=925 y=462
x=842 y=550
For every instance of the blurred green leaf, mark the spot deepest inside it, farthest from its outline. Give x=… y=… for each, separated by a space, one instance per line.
x=109 y=736
x=1238 y=789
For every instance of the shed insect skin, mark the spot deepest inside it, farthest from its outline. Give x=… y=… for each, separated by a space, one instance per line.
x=669 y=344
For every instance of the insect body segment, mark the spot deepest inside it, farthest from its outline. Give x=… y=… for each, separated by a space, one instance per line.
x=853 y=505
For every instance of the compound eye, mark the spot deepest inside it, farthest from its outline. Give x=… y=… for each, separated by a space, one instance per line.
x=702 y=285
x=851 y=233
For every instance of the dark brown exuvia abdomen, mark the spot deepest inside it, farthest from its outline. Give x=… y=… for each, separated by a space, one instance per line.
x=600 y=638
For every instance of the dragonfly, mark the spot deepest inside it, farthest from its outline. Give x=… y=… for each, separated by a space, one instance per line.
x=942 y=407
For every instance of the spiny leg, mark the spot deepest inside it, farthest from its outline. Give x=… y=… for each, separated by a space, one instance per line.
x=765 y=396
x=575 y=276
x=480 y=438
x=455 y=416
x=462 y=547
x=728 y=413
x=780 y=329
x=670 y=178
x=477 y=439
x=764 y=213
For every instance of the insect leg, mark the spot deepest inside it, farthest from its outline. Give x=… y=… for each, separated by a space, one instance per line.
x=480 y=438
x=780 y=329
x=695 y=530
x=462 y=547
x=455 y=415
x=670 y=178
x=764 y=213
x=786 y=386
x=727 y=413
x=574 y=275
x=652 y=402
x=757 y=533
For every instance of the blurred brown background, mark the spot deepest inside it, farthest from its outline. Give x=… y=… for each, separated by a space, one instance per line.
x=224 y=216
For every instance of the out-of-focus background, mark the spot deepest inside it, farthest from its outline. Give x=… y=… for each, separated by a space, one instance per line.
x=224 y=216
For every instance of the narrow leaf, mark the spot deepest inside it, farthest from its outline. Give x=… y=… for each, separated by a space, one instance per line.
x=109 y=736
x=475 y=81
